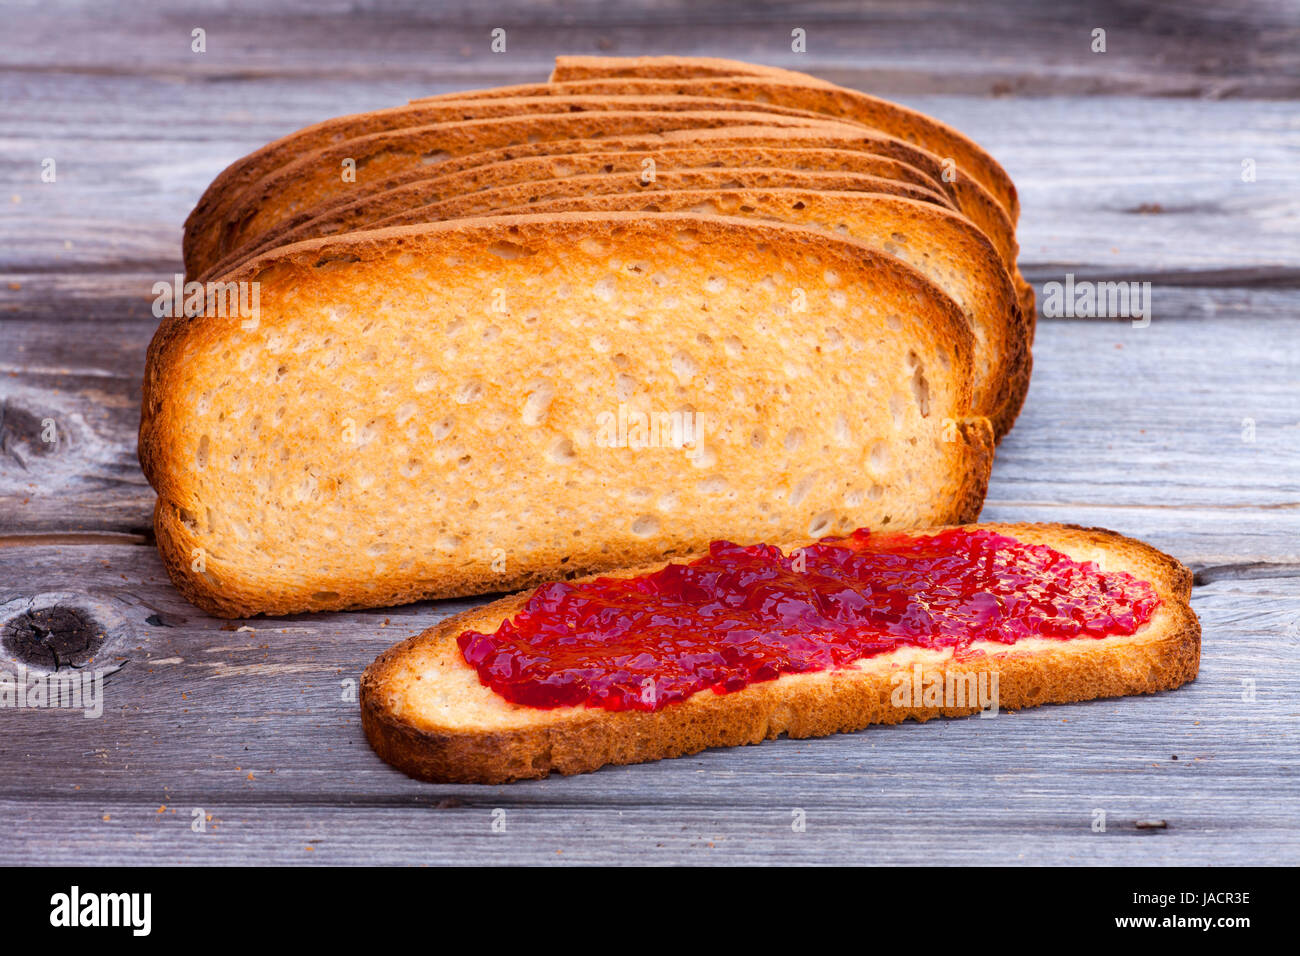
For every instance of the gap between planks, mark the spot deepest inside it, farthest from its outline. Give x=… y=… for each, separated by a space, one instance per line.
x=1202 y=575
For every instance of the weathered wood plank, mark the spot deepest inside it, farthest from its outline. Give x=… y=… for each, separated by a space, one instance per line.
x=1011 y=47
x=99 y=831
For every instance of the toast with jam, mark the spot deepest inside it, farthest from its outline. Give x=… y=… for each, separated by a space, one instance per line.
x=485 y=404
x=745 y=644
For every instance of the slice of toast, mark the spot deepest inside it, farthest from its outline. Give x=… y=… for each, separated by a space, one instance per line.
x=425 y=711
x=940 y=244
x=772 y=84
x=446 y=197
x=481 y=405
x=306 y=175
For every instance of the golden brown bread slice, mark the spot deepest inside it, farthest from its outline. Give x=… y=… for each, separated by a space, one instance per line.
x=940 y=244
x=241 y=183
x=696 y=73
x=415 y=202
x=425 y=711
x=425 y=411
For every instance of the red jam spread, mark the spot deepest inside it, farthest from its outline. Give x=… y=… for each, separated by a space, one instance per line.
x=741 y=615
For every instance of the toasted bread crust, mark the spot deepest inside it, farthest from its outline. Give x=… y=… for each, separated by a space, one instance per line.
x=431 y=200
x=230 y=218
x=226 y=188
x=1163 y=655
x=572 y=71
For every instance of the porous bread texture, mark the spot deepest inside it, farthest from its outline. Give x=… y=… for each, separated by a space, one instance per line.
x=941 y=245
x=314 y=176
x=348 y=213
x=403 y=204
x=789 y=87
x=425 y=711
x=385 y=434
x=247 y=170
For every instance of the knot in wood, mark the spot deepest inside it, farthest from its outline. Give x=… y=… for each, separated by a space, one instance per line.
x=52 y=637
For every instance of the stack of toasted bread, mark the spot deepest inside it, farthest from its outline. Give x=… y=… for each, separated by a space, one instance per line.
x=518 y=335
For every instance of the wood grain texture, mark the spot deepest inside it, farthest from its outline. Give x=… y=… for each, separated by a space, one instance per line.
x=1227 y=48
x=1129 y=166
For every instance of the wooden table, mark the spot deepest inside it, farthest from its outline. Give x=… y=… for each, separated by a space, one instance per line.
x=1185 y=433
